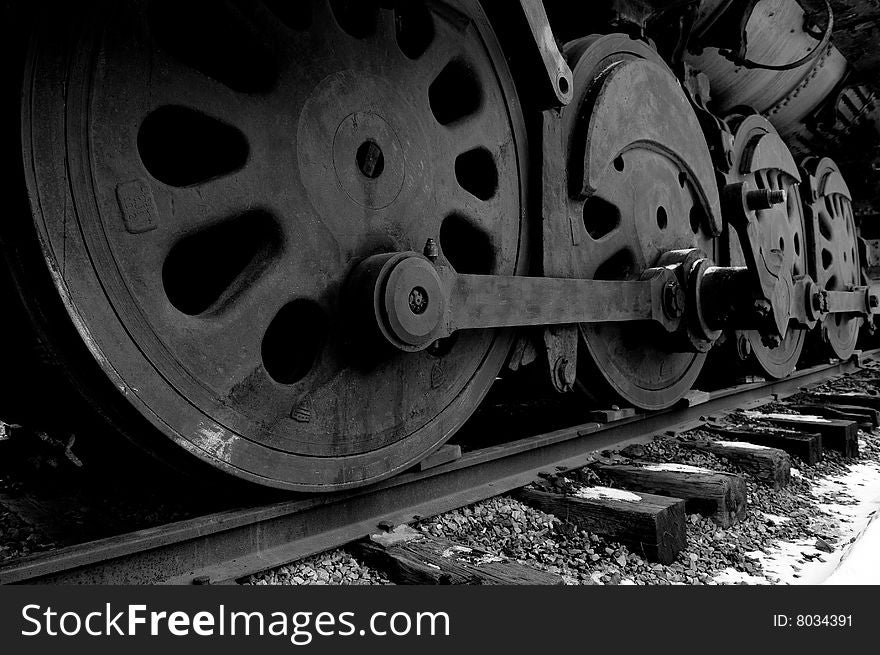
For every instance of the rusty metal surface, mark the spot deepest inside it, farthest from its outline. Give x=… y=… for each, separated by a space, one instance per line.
x=233 y=544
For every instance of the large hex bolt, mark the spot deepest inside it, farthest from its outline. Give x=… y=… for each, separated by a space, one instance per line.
x=758 y=199
x=432 y=250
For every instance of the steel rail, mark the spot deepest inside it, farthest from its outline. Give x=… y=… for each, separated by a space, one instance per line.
x=229 y=545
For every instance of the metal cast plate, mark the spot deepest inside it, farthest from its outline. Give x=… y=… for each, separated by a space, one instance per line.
x=641 y=184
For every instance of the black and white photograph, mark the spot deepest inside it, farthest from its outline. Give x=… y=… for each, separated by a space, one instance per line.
x=566 y=295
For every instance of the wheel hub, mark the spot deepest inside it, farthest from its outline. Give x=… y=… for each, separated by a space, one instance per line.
x=369 y=177
x=340 y=132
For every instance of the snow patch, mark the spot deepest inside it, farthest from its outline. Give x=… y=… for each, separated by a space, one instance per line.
x=606 y=493
x=455 y=550
x=797 y=418
x=489 y=559
x=775 y=520
x=732 y=576
x=742 y=444
x=851 y=521
x=678 y=468
x=861 y=565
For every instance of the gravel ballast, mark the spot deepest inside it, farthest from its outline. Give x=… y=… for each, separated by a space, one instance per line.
x=805 y=519
x=336 y=567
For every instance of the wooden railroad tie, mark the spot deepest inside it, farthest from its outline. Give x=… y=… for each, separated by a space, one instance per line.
x=867 y=417
x=719 y=496
x=770 y=466
x=808 y=447
x=837 y=434
x=858 y=399
x=651 y=526
x=408 y=556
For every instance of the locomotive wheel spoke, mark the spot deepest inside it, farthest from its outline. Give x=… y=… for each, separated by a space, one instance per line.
x=179 y=85
x=238 y=329
x=471 y=132
x=601 y=251
x=442 y=50
x=207 y=205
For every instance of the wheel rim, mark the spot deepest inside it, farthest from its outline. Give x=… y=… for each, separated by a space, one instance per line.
x=644 y=185
x=835 y=254
x=220 y=209
x=763 y=161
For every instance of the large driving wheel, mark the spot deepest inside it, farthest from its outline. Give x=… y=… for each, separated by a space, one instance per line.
x=204 y=175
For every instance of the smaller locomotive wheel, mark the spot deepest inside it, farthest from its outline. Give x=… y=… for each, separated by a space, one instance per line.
x=762 y=161
x=641 y=184
x=834 y=255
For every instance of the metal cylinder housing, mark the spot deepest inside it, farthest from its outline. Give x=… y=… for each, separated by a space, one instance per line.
x=776 y=36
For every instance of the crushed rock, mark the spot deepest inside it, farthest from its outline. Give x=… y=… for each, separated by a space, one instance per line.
x=336 y=567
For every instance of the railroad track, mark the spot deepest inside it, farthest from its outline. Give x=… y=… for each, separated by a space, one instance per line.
x=229 y=545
